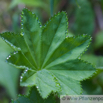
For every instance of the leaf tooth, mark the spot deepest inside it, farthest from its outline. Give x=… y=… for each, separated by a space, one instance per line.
x=10 y=56
x=30 y=90
x=52 y=17
x=23 y=73
x=93 y=67
x=91 y=75
x=81 y=88
x=19 y=95
x=87 y=63
x=2 y=35
x=31 y=13
x=38 y=89
x=90 y=39
x=22 y=23
x=66 y=32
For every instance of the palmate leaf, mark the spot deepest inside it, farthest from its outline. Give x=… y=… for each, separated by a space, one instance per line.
x=34 y=97
x=49 y=59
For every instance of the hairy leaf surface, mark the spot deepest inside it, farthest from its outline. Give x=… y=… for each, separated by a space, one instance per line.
x=51 y=61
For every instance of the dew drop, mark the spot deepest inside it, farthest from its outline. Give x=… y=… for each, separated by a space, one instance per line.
x=2 y=38
x=57 y=84
x=26 y=70
x=21 y=77
x=37 y=87
x=22 y=33
x=79 y=58
x=11 y=44
x=6 y=41
x=14 y=52
x=7 y=58
x=19 y=49
x=14 y=47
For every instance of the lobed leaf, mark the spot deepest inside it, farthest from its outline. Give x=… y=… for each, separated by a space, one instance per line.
x=50 y=59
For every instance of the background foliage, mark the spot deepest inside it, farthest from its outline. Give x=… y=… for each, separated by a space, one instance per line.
x=84 y=16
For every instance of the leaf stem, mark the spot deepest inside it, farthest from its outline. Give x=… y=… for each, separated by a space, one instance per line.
x=51 y=7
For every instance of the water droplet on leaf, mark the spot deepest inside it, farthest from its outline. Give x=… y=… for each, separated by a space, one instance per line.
x=22 y=33
x=21 y=77
x=9 y=56
x=26 y=70
x=79 y=58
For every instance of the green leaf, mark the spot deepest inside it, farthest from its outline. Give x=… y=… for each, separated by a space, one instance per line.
x=98 y=40
x=50 y=59
x=8 y=74
x=36 y=3
x=34 y=97
x=92 y=87
x=84 y=18
x=95 y=60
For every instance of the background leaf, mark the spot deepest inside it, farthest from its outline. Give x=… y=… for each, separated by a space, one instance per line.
x=84 y=18
x=36 y=3
x=95 y=60
x=98 y=40
x=8 y=74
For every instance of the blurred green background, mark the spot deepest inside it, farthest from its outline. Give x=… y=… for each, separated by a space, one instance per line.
x=84 y=16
